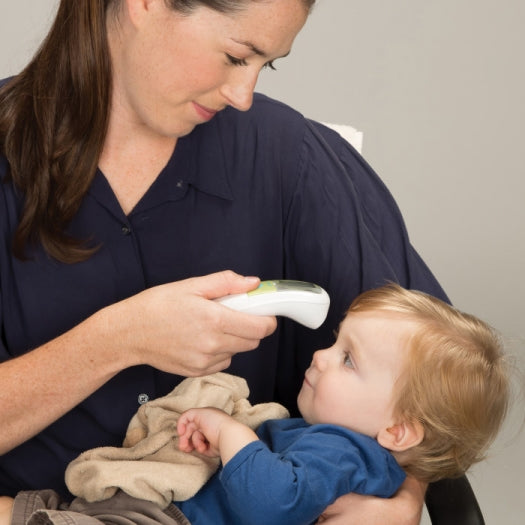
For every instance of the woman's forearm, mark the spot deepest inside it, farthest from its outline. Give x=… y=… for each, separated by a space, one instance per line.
x=43 y=384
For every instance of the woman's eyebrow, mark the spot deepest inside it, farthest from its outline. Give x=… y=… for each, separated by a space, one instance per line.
x=256 y=50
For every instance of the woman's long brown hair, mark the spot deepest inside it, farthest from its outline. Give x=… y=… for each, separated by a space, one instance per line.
x=53 y=122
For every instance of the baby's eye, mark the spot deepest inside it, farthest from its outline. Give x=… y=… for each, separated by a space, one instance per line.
x=270 y=65
x=347 y=360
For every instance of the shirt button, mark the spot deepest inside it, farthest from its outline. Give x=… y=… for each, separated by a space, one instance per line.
x=126 y=230
x=143 y=398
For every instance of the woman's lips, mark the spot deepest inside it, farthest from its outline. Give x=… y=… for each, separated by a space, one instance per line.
x=204 y=112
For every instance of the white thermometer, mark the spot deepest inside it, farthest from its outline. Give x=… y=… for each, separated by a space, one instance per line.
x=305 y=303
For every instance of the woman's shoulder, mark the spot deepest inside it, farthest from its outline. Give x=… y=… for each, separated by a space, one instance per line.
x=272 y=110
x=284 y=127
x=267 y=108
x=266 y=117
x=271 y=125
x=4 y=81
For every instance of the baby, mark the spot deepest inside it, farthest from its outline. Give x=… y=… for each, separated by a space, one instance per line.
x=408 y=374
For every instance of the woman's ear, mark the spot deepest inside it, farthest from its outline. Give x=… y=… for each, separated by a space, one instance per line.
x=401 y=436
x=137 y=9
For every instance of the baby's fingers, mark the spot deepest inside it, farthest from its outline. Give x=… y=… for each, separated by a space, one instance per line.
x=185 y=430
x=199 y=442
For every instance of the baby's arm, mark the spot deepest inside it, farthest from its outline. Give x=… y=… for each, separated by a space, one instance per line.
x=6 y=509
x=212 y=432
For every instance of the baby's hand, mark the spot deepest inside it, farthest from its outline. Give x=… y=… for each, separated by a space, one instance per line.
x=199 y=429
x=213 y=433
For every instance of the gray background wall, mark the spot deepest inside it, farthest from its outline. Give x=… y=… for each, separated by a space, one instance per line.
x=438 y=89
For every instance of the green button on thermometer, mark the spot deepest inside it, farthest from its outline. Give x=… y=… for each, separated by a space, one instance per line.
x=305 y=303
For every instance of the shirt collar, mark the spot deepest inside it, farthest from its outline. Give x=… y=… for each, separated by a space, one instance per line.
x=198 y=161
x=207 y=169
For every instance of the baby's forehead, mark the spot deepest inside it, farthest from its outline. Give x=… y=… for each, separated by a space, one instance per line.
x=382 y=316
x=373 y=329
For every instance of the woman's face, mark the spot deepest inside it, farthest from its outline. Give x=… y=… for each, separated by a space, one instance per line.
x=174 y=71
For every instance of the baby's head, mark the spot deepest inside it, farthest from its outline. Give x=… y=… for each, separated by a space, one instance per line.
x=453 y=385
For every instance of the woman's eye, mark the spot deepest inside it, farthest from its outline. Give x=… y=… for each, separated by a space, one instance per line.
x=236 y=61
x=347 y=360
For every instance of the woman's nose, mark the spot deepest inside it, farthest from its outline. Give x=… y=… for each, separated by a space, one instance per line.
x=238 y=91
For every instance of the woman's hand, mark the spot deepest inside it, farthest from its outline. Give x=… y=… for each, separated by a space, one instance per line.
x=404 y=508
x=177 y=328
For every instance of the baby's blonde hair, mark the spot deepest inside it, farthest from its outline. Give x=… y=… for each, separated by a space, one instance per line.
x=455 y=383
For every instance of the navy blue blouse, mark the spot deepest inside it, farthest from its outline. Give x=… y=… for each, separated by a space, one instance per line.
x=266 y=193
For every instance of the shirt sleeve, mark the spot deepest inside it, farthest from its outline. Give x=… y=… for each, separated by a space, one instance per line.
x=297 y=485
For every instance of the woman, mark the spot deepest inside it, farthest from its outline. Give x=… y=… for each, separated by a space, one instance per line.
x=128 y=169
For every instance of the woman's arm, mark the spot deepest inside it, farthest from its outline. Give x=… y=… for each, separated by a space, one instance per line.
x=6 y=510
x=173 y=327
x=405 y=508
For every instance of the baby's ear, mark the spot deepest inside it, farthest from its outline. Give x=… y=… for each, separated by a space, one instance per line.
x=401 y=436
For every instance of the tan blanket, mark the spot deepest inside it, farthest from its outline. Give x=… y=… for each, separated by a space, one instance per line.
x=150 y=466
